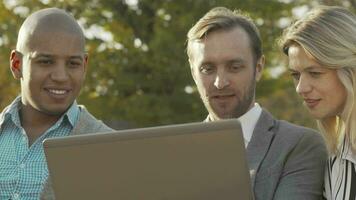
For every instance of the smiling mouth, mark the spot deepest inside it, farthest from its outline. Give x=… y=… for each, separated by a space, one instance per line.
x=311 y=103
x=58 y=92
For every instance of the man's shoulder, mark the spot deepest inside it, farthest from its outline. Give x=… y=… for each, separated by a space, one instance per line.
x=291 y=141
x=290 y=128
x=13 y=105
x=295 y=136
x=296 y=155
x=2 y=113
x=87 y=123
x=5 y=112
x=290 y=133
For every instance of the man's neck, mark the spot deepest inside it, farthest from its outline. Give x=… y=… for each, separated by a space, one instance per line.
x=213 y=117
x=35 y=122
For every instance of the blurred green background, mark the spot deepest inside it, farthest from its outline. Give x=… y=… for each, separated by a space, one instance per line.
x=138 y=70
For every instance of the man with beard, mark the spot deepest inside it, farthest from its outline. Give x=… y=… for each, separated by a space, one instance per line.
x=225 y=55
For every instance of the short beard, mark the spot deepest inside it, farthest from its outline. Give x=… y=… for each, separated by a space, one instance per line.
x=243 y=104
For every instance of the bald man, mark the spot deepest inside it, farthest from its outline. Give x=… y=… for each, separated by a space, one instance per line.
x=51 y=64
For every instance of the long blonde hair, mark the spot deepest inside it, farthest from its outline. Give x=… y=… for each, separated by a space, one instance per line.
x=328 y=33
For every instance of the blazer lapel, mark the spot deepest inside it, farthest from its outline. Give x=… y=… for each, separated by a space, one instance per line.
x=260 y=143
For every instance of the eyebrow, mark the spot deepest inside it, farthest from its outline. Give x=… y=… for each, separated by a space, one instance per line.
x=38 y=55
x=292 y=70
x=76 y=57
x=237 y=60
x=311 y=67
x=206 y=63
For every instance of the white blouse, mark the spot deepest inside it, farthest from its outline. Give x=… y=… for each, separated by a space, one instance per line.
x=340 y=175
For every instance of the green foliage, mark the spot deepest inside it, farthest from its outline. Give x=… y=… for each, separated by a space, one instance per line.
x=8 y=88
x=139 y=72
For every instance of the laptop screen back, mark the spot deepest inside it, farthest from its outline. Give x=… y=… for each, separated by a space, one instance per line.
x=197 y=161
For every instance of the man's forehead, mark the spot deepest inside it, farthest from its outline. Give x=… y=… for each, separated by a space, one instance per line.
x=38 y=54
x=206 y=47
x=53 y=41
x=53 y=35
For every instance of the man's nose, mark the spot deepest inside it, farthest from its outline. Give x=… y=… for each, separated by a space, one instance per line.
x=60 y=72
x=221 y=81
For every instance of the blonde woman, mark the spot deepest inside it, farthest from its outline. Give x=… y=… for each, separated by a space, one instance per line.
x=321 y=49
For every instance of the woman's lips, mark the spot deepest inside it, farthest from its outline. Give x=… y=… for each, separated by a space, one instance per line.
x=311 y=103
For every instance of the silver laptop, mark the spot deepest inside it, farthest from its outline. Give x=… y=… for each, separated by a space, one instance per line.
x=195 y=161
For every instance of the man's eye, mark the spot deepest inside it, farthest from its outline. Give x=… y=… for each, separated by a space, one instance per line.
x=75 y=64
x=45 y=62
x=235 y=68
x=206 y=69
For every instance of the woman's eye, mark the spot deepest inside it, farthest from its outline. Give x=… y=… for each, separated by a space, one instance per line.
x=315 y=74
x=295 y=75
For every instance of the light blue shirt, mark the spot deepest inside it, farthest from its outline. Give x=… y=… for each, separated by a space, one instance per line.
x=23 y=169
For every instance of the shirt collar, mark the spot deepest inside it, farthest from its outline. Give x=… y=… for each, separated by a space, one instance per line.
x=248 y=121
x=72 y=113
x=12 y=112
x=346 y=151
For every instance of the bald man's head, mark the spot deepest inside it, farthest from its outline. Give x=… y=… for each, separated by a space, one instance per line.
x=49 y=61
x=50 y=20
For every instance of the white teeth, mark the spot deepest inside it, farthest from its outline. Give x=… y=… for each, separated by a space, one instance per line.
x=57 y=91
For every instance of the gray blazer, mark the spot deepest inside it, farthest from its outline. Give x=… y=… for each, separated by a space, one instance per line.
x=87 y=123
x=286 y=161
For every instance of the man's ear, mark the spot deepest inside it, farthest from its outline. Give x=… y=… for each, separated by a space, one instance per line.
x=259 y=68
x=16 y=64
x=85 y=62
